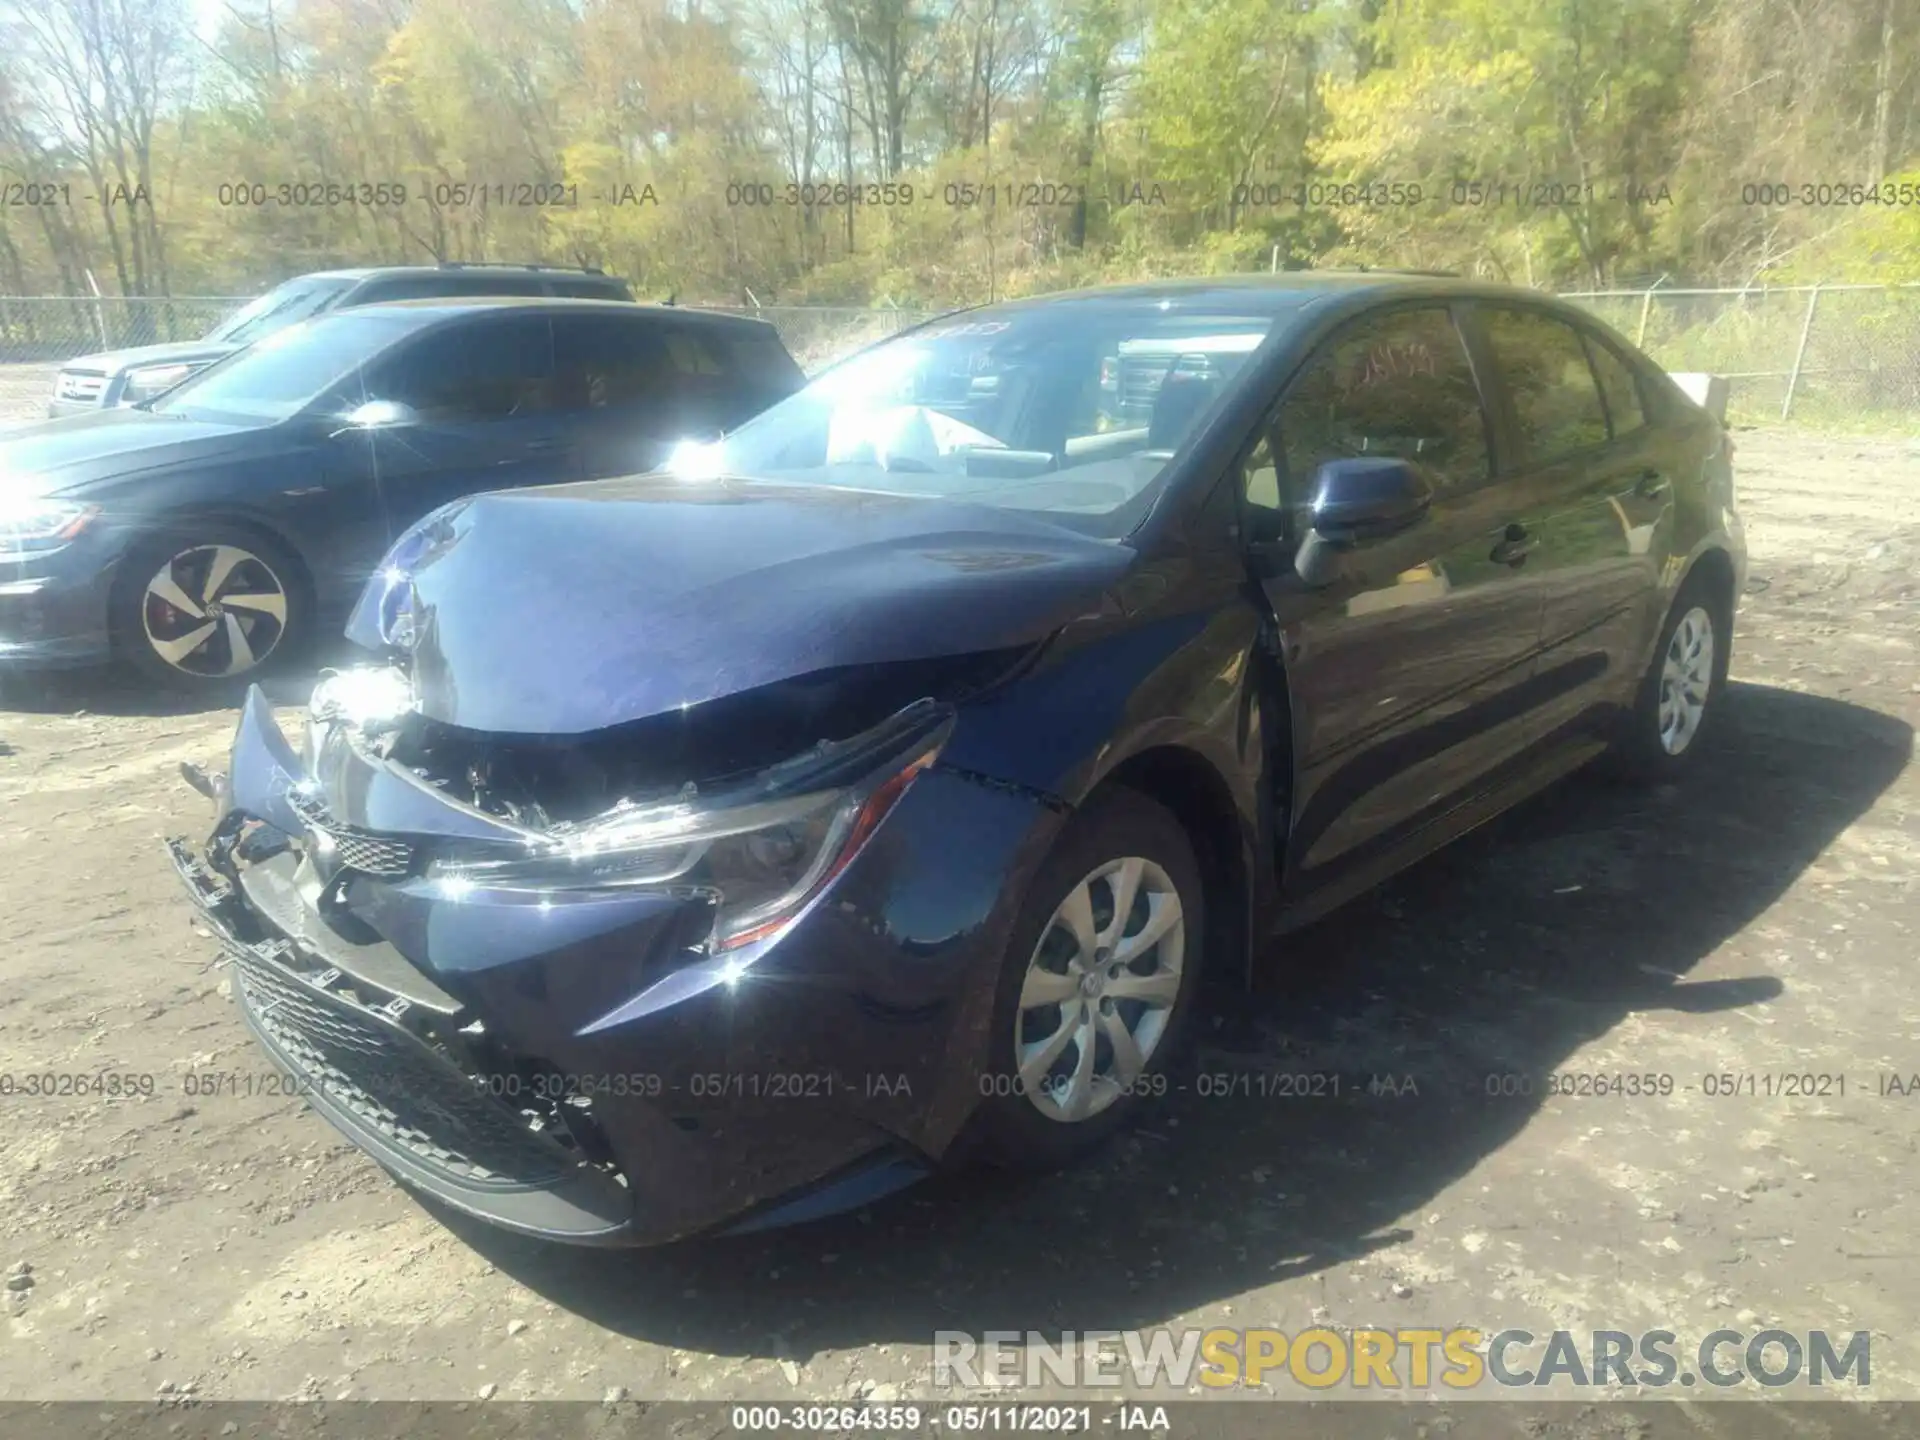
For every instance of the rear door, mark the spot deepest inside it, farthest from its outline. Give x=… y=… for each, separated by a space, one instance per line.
x=482 y=393
x=1597 y=487
x=1409 y=672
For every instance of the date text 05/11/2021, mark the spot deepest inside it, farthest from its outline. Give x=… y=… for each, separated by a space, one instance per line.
x=969 y=1418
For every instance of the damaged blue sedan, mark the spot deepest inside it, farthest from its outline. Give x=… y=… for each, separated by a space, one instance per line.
x=867 y=790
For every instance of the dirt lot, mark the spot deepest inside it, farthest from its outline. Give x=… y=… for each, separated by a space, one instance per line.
x=1761 y=922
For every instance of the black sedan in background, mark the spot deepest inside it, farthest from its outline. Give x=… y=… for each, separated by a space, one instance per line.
x=716 y=848
x=201 y=535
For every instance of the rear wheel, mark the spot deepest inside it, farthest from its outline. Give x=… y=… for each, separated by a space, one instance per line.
x=207 y=606
x=1681 y=692
x=1096 y=986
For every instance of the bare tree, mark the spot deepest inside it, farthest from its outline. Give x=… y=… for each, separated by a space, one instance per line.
x=108 y=69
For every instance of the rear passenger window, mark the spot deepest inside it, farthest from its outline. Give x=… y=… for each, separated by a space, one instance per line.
x=692 y=355
x=726 y=378
x=763 y=363
x=610 y=362
x=473 y=373
x=1624 y=411
x=1556 y=404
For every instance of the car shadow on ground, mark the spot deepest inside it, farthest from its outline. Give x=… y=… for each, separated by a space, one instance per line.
x=1501 y=956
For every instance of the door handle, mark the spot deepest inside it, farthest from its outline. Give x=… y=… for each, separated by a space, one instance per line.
x=1650 y=484
x=1515 y=548
x=546 y=443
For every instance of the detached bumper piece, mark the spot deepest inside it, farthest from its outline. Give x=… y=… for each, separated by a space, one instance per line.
x=397 y=1096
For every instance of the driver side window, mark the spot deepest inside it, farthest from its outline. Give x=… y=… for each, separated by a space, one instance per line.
x=1398 y=384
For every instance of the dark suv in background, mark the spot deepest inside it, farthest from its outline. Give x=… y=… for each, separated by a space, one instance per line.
x=144 y=372
x=201 y=535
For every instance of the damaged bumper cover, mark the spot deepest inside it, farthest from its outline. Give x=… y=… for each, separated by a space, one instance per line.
x=620 y=1031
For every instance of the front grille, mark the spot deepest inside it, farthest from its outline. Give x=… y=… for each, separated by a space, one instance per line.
x=390 y=1079
x=79 y=385
x=381 y=856
x=372 y=854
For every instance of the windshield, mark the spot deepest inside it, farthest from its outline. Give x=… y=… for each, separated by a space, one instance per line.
x=1073 y=410
x=278 y=308
x=289 y=369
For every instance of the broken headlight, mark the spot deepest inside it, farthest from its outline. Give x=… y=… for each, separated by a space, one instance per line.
x=365 y=697
x=760 y=853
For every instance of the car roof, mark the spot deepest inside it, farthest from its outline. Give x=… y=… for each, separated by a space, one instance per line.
x=1276 y=293
x=448 y=307
x=384 y=272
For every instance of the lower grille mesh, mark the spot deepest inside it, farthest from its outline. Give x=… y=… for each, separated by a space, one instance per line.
x=392 y=1081
x=382 y=856
x=372 y=854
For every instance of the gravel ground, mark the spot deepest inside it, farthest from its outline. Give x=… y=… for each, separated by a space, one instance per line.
x=1759 y=921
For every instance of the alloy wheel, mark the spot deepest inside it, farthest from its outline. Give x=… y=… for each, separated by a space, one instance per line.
x=214 y=611
x=1099 y=989
x=1686 y=680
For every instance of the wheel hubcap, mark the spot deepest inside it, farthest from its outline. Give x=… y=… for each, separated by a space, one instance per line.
x=1686 y=680
x=1099 y=989
x=214 y=611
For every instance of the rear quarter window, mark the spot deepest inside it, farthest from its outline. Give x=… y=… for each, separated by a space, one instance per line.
x=729 y=376
x=762 y=361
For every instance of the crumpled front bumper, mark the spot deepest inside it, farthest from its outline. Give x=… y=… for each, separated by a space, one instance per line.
x=567 y=1064
x=390 y=1093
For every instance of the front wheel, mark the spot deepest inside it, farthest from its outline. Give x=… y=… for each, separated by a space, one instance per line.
x=1096 y=986
x=206 y=606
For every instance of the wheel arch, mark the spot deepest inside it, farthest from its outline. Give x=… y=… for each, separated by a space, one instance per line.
x=1189 y=786
x=1714 y=566
x=150 y=529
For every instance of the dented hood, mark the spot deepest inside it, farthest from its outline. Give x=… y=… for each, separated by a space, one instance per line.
x=572 y=608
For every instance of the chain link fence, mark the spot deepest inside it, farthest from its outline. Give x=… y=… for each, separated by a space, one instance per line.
x=1828 y=355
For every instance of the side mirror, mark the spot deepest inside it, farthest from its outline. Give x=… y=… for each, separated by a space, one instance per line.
x=1355 y=502
x=375 y=415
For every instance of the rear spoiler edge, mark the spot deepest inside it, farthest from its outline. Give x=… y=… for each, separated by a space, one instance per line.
x=1707 y=391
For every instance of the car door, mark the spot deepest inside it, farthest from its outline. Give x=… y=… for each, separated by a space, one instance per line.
x=1408 y=671
x=478 y=393
x=1596 y=488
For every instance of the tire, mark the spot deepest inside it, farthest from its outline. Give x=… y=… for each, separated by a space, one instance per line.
x=236 y=592
x=1039 y=1126
x=1681 y=693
